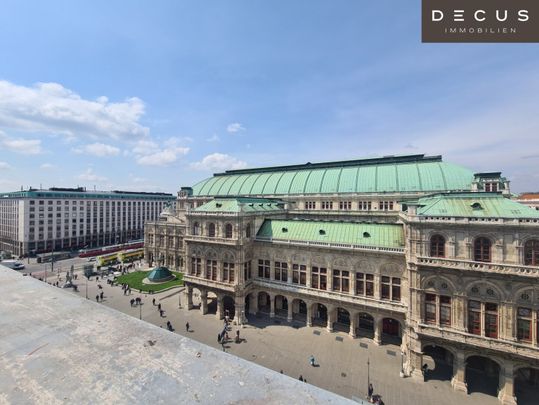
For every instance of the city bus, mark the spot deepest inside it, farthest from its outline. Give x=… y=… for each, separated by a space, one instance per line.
x=128 y=256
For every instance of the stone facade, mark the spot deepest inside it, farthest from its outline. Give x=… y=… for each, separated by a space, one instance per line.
x=460 y=290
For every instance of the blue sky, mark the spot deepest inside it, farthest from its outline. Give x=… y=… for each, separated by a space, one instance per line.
x=156 y=95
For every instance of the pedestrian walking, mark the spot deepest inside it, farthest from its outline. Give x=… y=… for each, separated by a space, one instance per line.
x=301 y=378
x=161 y=313
x=187 y=327
x=311 y=360
x=101 y=295
x=132 y=301
x=159 y=306
x=371 y=390
x=97 y=298
x=153 y=302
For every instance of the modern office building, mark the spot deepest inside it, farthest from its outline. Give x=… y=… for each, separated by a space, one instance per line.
x=409 y=250
x=35 y=221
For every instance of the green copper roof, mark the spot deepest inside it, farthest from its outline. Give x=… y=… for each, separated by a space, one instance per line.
x=241 y=205
x=481 y=205
x=160 y=274
x=365 y=234
x=415 y=173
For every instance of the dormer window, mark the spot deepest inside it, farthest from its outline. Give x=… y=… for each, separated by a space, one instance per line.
x=476 y=206
x=284 y=230
x=218 y=205
x=491 y=187
x=366 y=235
x=322 y=232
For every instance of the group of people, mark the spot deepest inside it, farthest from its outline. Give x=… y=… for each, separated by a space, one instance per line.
x=100 y=296
x=135 y=301
x=126 y=289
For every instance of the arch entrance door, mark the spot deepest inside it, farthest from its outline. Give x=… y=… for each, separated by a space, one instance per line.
x=527 y=386
x=482 y=375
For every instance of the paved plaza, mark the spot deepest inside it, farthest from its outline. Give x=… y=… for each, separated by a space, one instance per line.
x=279 y=345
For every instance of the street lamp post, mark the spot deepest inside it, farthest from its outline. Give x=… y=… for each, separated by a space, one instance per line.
x=140 y=310
x=368 y=374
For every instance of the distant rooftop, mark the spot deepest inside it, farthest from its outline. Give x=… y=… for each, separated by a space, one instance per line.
x=72 y=350
x=82 y=192
x=397 y=174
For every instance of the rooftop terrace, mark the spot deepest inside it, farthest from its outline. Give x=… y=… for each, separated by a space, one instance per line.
x=58 y=348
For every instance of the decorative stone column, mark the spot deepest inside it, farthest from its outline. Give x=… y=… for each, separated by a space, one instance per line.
x=239 y=313
x=377 y=331
x=353 y=325
x=309 y=314
x=458 y=382
x=289 y=273
x=253 y=303
x=289 y=317
x=219 y=314
x=189 y=294
x=204 y=302
x=331 y=319
x=507 y=391
x=272 y=306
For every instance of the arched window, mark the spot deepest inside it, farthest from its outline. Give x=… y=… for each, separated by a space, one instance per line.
x=228 y=231
x=531 y=253
x=481 y=249
x=196 y=228
x=211 y=230
x=437 y=246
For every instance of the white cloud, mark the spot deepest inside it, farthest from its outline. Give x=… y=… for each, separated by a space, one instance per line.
x=21 y=145
x=4 y=166
x=89 y=175
x=98 y=149
x=219 y=161
x=53 y=109
x=234 y=127
x=149 y=153
x=47 y=166
x=213 y=138
x=162 y=157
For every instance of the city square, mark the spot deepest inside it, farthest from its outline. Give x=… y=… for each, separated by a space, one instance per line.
x=281 y=345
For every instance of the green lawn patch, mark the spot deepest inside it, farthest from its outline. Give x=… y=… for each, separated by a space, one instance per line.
x=134 y=280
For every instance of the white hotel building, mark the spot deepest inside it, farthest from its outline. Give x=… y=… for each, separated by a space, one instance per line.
x=35 y=221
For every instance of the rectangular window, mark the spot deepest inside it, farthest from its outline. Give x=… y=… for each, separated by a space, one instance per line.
x=295 y=273
x=228 y=272
x=327 y=205
x=364 y=205
x=345 y=205
x=264 y=269
x=211 y=269
x=196 y=266
x=369 y=285
x=395 y=289
x=491 y=320
x=445 y=310
x=385 y=288
x=341 y=281
x=524 y=323
x=430 y=308
x=319 y=278
x=474 y=317
x=310 y=205
x=385 y=205
x=281 y=271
